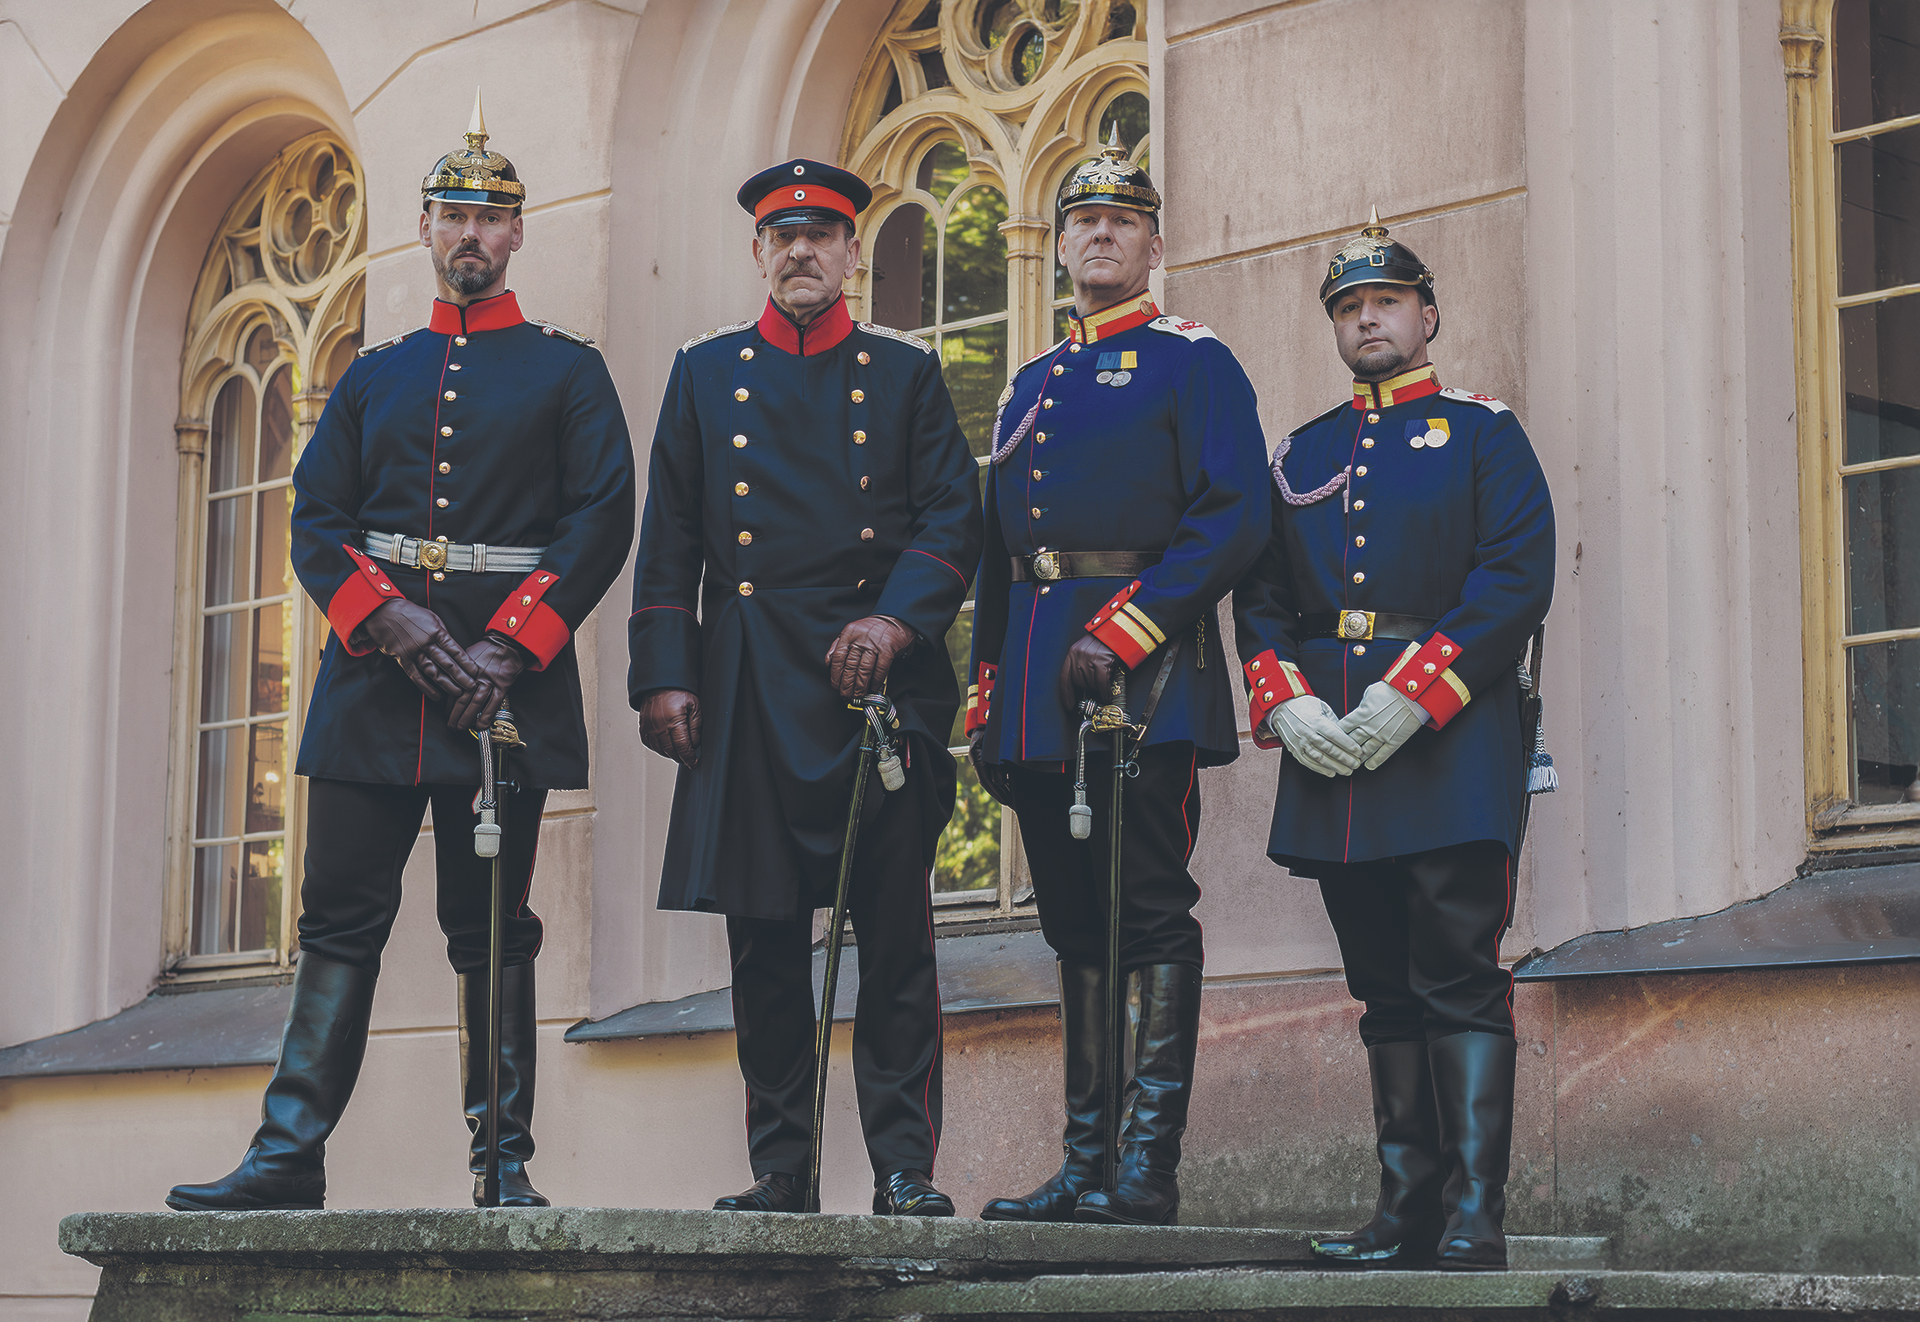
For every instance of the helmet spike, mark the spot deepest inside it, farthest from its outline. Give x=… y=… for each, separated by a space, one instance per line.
x=1113 y=147
x=477 y=125
x=1374 y=229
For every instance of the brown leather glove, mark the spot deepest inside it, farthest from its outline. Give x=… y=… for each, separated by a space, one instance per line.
x=858 y=661
x=1088 y=672
x=501 y=663
x=670 y=725
x=414 y=636
x=993 y=775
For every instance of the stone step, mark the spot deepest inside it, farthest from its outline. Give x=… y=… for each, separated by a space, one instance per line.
x=587 y=1264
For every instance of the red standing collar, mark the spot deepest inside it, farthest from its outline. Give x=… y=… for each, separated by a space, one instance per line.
x=1111 y=321
x=496 y=313
x=817 y=336
x=1408 y=386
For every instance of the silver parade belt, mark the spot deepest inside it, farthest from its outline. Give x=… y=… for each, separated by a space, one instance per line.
x=463 y=557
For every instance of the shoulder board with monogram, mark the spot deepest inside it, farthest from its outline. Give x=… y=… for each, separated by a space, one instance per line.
x=1191 y=330
x=1487 y=402
x=1050 y=349
x=893 y=334
x=561 y=332
x=388 y=344
x=716 y=332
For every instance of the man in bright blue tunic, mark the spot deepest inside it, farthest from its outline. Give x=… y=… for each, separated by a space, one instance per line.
x=1127 y=495
x=1411 y=560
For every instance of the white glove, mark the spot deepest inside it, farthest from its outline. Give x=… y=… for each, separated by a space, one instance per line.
x=1381 y=723
x=1312 y=733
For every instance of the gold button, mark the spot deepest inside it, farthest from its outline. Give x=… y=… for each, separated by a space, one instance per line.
x=439 y=577
x=1359 y=578
x=443 y=537
x=746 y=539
x=1429 y=668
x=1360 y=541
x=442 y=502
x=746 y=355
x=1263 y=681
x=863 y=482
x=741 y=394
x=526 y=601
x=1373 y=417
x=446 y=467
x=1367 y=444
x=1359 y=504
x=746 y=589
x=1446 y=651
x=739 y=488
x=1359 y=649
x=866 y=534
x=446 y=431
x=513 y=621
x=739 y=442
x=859 y=438
x=863 y=357
x=1073 y=349
x=1036 y=475
x=1059 y=370
x=1413 y=686
x=1046 y=403
x=1036 y=511
x=1360 y=471
x=453 y=367
x=450 y=396
x=1041 y=437
x=1044 y=591
x=858 y=396
x=460 y=340
x=1253 y=665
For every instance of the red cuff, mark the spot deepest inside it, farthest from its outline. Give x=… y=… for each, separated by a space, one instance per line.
x=530 y=622
x=1270 y=682
x=1424 y=675
x=358 y=598
x=1125 y=628
x=979 y=698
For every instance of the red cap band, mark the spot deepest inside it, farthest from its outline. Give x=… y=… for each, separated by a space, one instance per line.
x=788 y=197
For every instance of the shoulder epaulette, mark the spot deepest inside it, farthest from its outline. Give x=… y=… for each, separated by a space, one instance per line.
x=893 y=334
x=387 y=344
x=1487 y=402
x=560 y=332
x=1315 y=422
x=1052 y=348
x=715 y=332
x=1191 y=330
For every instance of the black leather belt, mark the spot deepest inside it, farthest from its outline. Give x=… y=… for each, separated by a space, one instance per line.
x=1363 y=626
x=1051 y=566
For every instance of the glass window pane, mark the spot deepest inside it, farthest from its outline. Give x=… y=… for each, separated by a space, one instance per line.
x=1130 y=111
x=959 y=650
x=227 y=550
x=975 y=365
x=222 y=668
x=942 y=169
x=272 y=645
x=1878 y=181
x=1876 y=61
x=273 y=551
x=258 y=924
x=929 y=270
x=997 y=18
x=976 y=255
x=221 y=784
x=1122 y=21
x=1886 y=721
x=1062 y=323
x=1879 y=347
x=266 y=778
x=276 y=427
x=968 y=857
x=230 y=437
x=260 y=349
x=901 y=260
x=215 y=884
x=1029 y=53
x=1883 y=550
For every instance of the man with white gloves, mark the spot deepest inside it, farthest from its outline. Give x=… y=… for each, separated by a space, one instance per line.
x=1411 y=559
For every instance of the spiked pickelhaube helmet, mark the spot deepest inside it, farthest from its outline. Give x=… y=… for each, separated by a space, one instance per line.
x=1111 y=180
x=472 y=174
x=1372 y=258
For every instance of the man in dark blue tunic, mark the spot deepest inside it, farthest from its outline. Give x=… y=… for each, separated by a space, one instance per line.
x=1411 y=560
x=1127 y=496
x=810 y=529
x=463 y=505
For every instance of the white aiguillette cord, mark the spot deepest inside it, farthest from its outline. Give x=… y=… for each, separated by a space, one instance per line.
x=1320 y=493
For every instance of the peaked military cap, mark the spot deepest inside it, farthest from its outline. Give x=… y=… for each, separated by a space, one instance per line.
x=1111 y=180
x=474 y=174
x=801 y=192
x=1371 y=258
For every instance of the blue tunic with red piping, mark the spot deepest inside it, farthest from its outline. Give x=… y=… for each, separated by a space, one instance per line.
x=801 y=479
x=1443 y=514
x=481 y=427
x=1138 y=433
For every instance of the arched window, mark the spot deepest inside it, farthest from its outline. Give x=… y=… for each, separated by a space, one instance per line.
x=966 y=117
x=275 y=320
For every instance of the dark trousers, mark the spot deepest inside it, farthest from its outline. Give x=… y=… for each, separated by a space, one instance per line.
x=1160 y=817
x=896 y=1018
x=358 y=839
x=1420 y=938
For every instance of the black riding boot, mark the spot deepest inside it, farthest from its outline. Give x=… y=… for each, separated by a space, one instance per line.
x=1083 y=1001
x=1148 y=1192
x=1407 y=1221
x=320 y=1053
x=518 y=1031
x=1473 y=1086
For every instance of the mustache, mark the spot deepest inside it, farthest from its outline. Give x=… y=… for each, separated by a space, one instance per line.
x=794 y=268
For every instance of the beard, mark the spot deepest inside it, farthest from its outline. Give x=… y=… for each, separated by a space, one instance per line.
x=1380 y=362
x=468 y=279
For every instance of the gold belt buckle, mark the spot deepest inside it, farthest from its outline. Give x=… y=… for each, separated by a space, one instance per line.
x=1046 y=566
x=433 y=555
x=1356 y=625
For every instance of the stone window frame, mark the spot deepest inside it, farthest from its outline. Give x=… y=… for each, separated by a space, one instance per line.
x=1022 y=131
x=289 y=258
